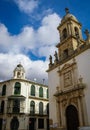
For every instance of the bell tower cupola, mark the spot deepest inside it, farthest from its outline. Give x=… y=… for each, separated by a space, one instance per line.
x=71 y=41
x=69 y=26
x=19 y=72
x=70 y=35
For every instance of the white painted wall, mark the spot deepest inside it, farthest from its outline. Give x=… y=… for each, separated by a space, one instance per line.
x=53 y=82
x=83 y=63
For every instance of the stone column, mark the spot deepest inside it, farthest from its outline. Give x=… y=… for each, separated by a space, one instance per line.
x=69 y=28
x=45 y=125
x=80 y=33
x=85 y=128
x=58 y=112
x=36 y=123
x=80 y=112
x=72 y=29
x=83 y=111
x=61 y=114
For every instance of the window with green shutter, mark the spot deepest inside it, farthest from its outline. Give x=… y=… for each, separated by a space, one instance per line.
x=32 y=107
x=41 y=108
x=47 y=93
x=32 y=90
x=17 y=88
x=4 y=90
x=40 y=92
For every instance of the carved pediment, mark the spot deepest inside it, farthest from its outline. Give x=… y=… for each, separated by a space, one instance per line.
x=65 y=66
x=67 y=75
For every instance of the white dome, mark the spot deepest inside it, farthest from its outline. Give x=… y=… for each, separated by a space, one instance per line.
x=68 y=16
x=19 y=68
x=19 y=72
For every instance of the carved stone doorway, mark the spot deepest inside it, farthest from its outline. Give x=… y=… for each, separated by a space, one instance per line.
x=72 y=120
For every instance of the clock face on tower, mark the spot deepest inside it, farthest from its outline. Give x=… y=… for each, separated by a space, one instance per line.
x=67 y=79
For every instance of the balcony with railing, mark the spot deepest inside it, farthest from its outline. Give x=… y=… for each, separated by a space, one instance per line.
x=39 y=112
x=15 y=110
x=15 y=104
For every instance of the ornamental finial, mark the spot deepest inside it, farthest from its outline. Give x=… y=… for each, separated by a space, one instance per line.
x=66 y=10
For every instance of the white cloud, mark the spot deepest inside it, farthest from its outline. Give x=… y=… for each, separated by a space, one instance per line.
x=47 y=51
x=30 y=7
x=34 y=69
x=47 y=33
x=40 y=42
x=27 y=6
x=29 y=38
x=16 y=43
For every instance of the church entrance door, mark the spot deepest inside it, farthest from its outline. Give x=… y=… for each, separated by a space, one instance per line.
x=72 y=120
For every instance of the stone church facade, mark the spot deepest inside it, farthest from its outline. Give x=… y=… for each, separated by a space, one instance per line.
x=23 y=103
x=69 y=78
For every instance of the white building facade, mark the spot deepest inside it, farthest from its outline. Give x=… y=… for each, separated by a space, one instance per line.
x=69 y=78
x=23 y=103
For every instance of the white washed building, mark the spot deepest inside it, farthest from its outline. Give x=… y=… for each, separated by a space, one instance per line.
x=69 y=78
x=23 y=103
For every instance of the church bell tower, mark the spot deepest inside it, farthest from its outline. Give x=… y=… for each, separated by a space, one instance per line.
x=70 y=35
x=19 y=72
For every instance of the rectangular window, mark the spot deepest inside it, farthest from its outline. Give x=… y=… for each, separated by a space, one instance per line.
x=40 y=123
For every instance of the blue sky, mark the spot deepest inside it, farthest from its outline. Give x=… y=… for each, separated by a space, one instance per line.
x=28 y=33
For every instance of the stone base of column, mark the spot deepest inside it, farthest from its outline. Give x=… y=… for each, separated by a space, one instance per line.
x=59 y=128
x=84 y=128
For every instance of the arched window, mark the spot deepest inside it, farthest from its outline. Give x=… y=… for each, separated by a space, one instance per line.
x=33 y=90
x=76 y=32
x=17 y=88
x=40 y=92
x=32 y=107
x=18 y=74
x=41 y=108
x=4 y=90
x=64 y=33
x=47 y=93
x=2 y=107
x=65 y=53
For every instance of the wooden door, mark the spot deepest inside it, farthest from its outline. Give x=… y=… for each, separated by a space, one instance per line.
x=72 y=120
